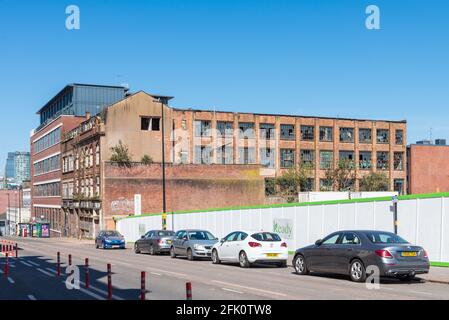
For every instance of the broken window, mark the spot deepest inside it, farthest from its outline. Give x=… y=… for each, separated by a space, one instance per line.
x=224 y=154
x=150 y=123
x=267 y=157
x=246 y=130
x=202 y=128
x=225 y=128
x=308 y=157
x=287 y=158
x=326 y=134
x=365 y=161
x=398 y=161
x=266 y=131
x=308 y=185
x=287 y=132
x=346 y=134
x=307 y=132
x=203 y=155
x=247 y=155
x=326 y=185
x=364 y=135
x=347 y=156
x=383 y=135
x=326 y=159
x=382 y=160
x=399 y=137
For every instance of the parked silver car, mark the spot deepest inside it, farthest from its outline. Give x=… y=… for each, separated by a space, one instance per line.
x=193 y=244
x=155 y=241
x=351 y=252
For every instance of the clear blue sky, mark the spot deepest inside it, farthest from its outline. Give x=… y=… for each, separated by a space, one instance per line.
x=304 y=57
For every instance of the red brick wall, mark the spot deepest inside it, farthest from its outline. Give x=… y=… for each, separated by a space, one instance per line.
x=188 y=187
x=428 y=169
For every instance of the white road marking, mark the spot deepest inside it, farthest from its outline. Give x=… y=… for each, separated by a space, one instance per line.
x=25 y=263
x=93 y=295
x=11 y=280
x=422 y=292
x=31 y=297
x=250 y=288
x=155 y=273
x=101 y=291
x=230 y=290
x=45 y=272
x=34 y=263
x=51 y=270
x=169 y=272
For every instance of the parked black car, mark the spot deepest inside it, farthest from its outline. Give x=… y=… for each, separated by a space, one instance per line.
x=351 y=252
x=155 y=241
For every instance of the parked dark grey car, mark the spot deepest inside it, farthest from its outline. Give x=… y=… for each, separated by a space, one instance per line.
x=155 y=241
x=193 y=244
x=351 y=252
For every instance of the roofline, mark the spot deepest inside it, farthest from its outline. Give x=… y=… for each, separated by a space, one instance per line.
x=74 y=85
x=288 y=115
x=428 y=145
x=60 y=116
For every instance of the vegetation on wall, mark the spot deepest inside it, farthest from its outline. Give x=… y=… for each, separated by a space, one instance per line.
x=146 y=160
x=120 y=154
x=374 y=181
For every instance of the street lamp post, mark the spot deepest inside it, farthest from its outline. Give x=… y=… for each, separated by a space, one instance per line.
x=7 y=217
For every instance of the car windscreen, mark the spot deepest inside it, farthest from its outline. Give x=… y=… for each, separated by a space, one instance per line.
x=266 y=236
x=165 y=233
x=112 y=234
x=384 y=238
x=200 y=235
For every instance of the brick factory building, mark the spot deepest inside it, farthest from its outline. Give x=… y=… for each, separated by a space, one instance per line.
x=428 y=168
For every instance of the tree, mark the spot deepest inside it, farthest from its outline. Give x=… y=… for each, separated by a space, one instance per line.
x=343 y=176
x=374 y=181
x=146 y=160
x=294 y=180
x=120 y=154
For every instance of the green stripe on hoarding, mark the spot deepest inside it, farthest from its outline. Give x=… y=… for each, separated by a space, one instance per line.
x=440 y=264
x=300 y=204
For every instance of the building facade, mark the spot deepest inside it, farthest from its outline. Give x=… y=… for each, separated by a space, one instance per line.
x=18 y=167
x=61 y=114
x=425 y=175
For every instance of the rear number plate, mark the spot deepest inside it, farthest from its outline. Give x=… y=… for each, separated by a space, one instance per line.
x=408 y=254
x=272 y=254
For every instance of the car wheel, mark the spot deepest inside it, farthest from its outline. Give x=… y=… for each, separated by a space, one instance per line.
x=406 y=277
x=152 y=250
x=104 y=245
x=190 y=256
x=300 y=265
x=172 y=253
x=357 y=271
x=96 y=245
x=243 y=260
x=136 y=248
x=215 y=258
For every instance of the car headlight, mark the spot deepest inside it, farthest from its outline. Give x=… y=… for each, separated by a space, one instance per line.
x=198 y=247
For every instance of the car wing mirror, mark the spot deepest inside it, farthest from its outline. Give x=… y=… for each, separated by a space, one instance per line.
x=318 y=242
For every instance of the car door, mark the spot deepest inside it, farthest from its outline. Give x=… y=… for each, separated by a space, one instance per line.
x=223 y=247
x=146 y=241
x=237 y=245
x=98 y=240
x=346 y=248
x=323 y=260
x=178 y=241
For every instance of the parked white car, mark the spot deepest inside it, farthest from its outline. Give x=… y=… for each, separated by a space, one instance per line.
x=248 y=247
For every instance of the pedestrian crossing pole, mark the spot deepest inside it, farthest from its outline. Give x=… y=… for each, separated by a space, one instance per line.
x=164 y=221
x=395 y=213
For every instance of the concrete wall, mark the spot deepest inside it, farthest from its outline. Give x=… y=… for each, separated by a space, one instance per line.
x=421 y=221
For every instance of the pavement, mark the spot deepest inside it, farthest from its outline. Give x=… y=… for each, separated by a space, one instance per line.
x=33 y=276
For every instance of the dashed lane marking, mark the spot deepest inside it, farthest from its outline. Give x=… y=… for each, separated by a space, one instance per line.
x=155 y=273
x=101 y=291
x=250 y=288
x=11 y=280
x=34 y=263
x=26 y=263
x=230 y=290
x=31 y=297
x=44 y=272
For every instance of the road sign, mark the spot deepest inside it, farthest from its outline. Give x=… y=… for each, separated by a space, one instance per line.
x=394 y=199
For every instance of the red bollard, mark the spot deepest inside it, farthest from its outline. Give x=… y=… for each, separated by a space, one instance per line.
x=59 y=264
x=17 y=250
x=109 y=282
x=70 y=259
x=6 y=265
x=188 y=291
x=87 y=273
x=142 y=285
